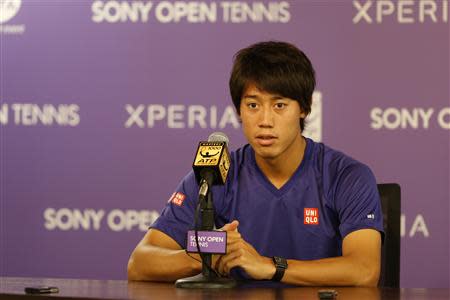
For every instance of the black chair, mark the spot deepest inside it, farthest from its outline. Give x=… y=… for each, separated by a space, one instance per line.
x=390 y=252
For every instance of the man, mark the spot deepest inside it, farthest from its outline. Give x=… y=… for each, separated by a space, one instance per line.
x=288 y=201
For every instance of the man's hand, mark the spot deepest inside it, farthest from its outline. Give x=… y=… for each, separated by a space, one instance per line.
x=242 y=254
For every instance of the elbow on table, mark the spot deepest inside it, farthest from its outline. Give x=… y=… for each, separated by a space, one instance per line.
x=132 y=272
x=368 y=277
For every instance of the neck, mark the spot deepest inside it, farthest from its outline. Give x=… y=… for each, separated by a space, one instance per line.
x=280 y=169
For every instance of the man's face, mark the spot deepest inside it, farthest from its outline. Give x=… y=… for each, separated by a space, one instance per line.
x=271 y=123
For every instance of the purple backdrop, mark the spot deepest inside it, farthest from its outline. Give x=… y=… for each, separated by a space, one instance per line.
x=103 y=103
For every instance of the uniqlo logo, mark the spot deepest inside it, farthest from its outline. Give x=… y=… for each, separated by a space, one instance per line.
x=177 y=198
x=311 y=216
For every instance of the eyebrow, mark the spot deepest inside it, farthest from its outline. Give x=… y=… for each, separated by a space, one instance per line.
x=252 y=96
x=277 y=97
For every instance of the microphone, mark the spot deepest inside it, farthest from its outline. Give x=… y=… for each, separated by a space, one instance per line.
x=212 y=162
x=211 y=165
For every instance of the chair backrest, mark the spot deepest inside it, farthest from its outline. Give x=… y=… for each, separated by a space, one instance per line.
x=390 y=252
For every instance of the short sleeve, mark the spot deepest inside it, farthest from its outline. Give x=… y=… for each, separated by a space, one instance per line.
x=357 y=200
x=177 y=217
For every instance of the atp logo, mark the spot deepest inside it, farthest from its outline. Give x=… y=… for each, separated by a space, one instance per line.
x=8 y=9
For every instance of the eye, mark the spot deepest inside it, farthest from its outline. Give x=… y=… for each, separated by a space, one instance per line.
x=252 y=105
x=280 y=105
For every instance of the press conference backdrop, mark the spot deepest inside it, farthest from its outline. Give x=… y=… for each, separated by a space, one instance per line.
x=103 y=103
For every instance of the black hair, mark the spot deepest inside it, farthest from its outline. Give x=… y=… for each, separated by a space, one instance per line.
x=274 y=67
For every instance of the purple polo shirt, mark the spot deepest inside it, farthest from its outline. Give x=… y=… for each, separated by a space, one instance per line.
x=329 y=196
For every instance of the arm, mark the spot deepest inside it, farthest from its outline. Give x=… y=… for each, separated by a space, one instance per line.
x=359 y=264
x=158 y=257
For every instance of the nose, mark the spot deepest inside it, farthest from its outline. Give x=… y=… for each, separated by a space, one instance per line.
x=266 y=118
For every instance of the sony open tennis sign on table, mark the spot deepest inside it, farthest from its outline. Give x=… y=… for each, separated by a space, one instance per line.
x=214 y=242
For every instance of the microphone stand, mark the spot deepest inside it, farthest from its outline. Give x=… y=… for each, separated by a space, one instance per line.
x=207 y=279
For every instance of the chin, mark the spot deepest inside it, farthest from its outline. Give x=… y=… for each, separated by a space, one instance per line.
x=266 y=153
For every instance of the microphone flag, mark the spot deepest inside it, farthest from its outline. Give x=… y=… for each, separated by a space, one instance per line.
x=212 y=157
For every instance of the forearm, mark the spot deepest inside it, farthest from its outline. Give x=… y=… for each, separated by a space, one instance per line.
x=154 y=263
x=335 y=271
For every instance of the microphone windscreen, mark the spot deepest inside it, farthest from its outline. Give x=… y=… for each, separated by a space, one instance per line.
x=218 y=137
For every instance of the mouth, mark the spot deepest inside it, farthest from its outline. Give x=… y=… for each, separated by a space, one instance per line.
x=265 y=139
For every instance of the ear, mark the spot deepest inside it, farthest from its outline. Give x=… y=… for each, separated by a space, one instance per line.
x=238 y=115
x=302 y=114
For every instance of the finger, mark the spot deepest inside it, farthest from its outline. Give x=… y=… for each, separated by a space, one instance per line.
x=233 y=246
x=232 y=263
x=230 y=226
x=225 y=259
x=220 y=265
x=215 y=260
x=215 y=264
x=233 y=236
